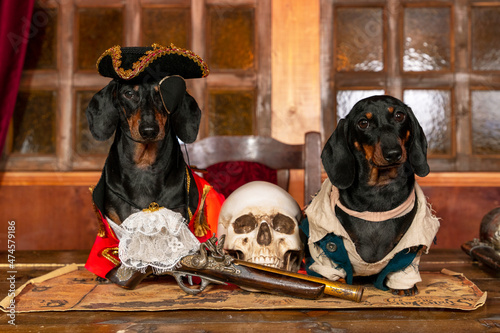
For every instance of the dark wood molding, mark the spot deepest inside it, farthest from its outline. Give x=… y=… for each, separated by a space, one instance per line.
x=457 y=179
x=84 y=178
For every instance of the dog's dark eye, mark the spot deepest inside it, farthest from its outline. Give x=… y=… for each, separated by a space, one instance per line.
x=129 y=94
x=399 y=116
x=363 y=123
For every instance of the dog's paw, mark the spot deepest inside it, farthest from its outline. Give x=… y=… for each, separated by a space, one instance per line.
x=405 y=292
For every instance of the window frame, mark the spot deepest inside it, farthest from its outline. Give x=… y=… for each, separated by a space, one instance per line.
x=67 y=80
x=461 y=80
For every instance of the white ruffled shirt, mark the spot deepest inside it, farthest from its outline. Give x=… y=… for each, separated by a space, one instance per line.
x=323 y=221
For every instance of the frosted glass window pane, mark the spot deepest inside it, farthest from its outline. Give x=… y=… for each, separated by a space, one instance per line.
x=347 y=98
x=34 y=123
x=99 y=29
x=359 y=39
x=232 y=38
x=427 y=42
x=231 y=112
x=485 y=38
x=177 y=30
x=485 y=122
x=42 y=46
x=433 y=111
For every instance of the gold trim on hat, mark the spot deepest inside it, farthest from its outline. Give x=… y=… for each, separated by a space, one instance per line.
x=140 y=65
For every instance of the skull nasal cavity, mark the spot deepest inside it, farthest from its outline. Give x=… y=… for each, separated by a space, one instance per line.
x=264 y=236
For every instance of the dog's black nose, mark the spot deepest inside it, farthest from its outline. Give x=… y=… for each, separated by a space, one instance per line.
x=149 y=131
x=393 y=155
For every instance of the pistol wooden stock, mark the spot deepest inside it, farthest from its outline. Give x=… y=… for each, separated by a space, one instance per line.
x=256 y=280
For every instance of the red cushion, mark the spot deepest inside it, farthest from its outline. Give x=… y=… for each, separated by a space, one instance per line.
x=226 y=177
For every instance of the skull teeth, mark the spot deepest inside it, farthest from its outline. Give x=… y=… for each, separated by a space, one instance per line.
x=267 y=261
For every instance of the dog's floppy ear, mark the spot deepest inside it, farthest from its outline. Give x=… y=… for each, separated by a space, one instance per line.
x=338 y=159
x=102 y=116
x=418 y=148
x=184 y=111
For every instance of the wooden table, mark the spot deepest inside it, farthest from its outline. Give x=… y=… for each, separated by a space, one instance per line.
x=484 y=319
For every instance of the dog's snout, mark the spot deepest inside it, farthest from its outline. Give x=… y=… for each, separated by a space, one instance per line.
x=147 y=117
x=148 y=126
x=393 y=155
x=148 y=131
x=391 y=149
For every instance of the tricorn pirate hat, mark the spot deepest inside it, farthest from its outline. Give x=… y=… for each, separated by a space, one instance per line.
x=154 y=62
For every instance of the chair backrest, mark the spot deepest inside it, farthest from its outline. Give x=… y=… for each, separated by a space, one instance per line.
x=265 y=150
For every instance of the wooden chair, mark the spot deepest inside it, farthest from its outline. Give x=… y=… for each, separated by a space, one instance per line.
x=265 y=150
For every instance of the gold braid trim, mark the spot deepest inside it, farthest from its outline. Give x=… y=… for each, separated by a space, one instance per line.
x=101 y=232
x=201 y=227
x=188 y=184
x=109 y=252
x=139 y=66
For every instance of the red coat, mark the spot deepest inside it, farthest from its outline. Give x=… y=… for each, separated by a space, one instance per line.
x=104 y=254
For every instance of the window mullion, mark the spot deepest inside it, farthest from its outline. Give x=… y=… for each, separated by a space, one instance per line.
x=65 y=123
x=327 y=78
x=462 y=110
x=263 y=88
x=132 y=23
x=198 y=88
x=394 y=84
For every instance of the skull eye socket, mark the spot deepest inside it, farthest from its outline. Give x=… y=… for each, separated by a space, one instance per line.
x=245 y=224
x=283 y=224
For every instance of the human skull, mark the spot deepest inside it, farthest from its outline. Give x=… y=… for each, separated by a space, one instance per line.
x=260 y=221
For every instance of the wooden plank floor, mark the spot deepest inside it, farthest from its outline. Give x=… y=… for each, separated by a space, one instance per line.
x=484 y=319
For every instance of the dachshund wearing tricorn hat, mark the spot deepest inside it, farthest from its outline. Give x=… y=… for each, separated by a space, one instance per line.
x=147 y=108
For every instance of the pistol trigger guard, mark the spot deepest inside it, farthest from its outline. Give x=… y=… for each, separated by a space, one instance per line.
x=205 y=281
x=178 y=277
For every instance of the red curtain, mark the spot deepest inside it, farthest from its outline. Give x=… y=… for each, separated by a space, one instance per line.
x=15 y=25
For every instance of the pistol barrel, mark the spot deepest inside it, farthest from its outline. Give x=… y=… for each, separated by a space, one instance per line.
x=332 y=288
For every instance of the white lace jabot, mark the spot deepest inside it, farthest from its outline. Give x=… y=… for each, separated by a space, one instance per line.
x=158 y=238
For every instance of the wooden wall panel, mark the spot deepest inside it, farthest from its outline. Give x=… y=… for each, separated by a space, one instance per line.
x=460 y=210
x=295 y=70
x=48 y=217
x=59 y=217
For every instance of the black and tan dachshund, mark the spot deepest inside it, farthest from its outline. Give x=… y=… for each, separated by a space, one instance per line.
x=148 y=110
x=145 y=163
x=372 y=158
